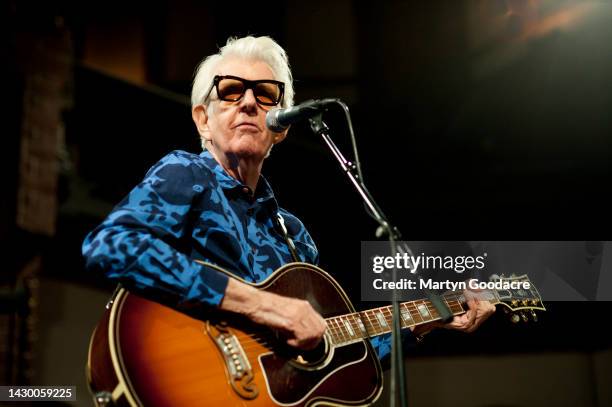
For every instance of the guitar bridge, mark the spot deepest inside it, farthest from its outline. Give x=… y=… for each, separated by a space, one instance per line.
x=237 y=364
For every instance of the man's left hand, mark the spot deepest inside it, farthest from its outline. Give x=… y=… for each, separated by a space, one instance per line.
x=478 y=312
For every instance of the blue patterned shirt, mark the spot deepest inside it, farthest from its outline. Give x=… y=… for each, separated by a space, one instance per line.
x=187 y=207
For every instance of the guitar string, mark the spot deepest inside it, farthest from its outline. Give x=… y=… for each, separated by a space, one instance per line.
x=410 y=306
x=339 y=340
x=336 y=339
x=340 y=330
x=336 y=332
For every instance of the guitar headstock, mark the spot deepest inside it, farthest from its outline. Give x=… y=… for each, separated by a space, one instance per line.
x=519 y=297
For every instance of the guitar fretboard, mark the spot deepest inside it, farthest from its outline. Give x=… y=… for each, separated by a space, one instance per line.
x=349 y=328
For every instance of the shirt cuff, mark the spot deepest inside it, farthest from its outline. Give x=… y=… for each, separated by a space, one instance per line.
x=208 y=287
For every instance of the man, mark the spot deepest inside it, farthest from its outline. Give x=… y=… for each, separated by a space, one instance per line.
x=218 y=208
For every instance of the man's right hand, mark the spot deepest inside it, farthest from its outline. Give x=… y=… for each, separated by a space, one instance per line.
x=297 y=319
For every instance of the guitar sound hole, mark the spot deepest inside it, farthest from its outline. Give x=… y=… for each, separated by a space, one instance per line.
x=313 y=357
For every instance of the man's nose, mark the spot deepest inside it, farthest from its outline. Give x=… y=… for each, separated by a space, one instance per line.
x=248 y=101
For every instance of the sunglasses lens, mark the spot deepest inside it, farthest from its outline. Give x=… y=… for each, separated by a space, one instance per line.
x=230 y=89
x=267 y=93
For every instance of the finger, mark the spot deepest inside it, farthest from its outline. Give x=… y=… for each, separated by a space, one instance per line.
x=471 y=315
x=315 y=324
x=458 y=322
x=491 y=307
x=304 y=343
x=473 y=312
x=485 y=310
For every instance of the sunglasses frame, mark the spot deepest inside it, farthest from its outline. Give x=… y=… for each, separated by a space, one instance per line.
x=248 y=84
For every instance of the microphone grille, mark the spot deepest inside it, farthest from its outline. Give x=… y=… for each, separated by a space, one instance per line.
x=272 y=121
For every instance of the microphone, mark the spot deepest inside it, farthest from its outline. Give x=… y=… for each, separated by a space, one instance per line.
x=278 y=120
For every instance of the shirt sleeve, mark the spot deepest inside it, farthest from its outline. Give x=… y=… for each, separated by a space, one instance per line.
x=142 y=243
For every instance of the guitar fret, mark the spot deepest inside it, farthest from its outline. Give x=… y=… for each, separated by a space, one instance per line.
x=406 y=315
x=368 y=324
x=330 y=330
x=361 y=326
x=353 y=322
x=390 y=317
x=414 y=312
x=388 y=313
x=371 y=323
x=454 y=306
x=377 y=325
x=433 y=312
x=336 y=334
x=348 y=327
x=424 y=311
x=339 y=330
x=382 y=321
x=448 y=304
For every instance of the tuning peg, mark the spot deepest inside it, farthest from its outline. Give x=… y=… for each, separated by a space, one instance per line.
x=534 y=316
x=514 y=303
x=524 y=317
x=525 y=302
x=515 y=318
x=534 y=302
x=513 y=275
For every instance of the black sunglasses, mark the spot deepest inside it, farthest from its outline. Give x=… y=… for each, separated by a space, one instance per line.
x=232 y=88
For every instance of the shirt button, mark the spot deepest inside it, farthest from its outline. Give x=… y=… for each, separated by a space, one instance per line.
x=246 y=190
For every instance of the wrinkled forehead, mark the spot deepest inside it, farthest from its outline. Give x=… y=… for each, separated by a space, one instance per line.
x=251 y=69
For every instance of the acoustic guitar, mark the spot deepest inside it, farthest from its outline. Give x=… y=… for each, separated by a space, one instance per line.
x=143 y=353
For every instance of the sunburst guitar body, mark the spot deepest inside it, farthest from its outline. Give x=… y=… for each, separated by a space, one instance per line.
x=143 y=353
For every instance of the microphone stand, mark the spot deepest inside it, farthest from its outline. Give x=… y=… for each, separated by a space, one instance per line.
x=398 y=381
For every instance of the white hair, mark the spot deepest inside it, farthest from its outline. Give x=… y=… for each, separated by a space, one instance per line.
x=263 y=49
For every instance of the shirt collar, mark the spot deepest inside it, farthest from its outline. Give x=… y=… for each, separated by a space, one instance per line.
x=263 y=191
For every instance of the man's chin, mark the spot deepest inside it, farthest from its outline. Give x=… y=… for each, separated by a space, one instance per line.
x=251 y=153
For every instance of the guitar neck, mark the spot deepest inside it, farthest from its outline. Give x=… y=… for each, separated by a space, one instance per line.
x=349 y=328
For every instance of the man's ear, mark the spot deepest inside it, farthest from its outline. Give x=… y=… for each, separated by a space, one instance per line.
x=200 y=118
x=278 y=137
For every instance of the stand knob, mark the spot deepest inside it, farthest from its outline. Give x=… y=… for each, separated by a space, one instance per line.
x=103 y=399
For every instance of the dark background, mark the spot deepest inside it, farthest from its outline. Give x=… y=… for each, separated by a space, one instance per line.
x=476 y=120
